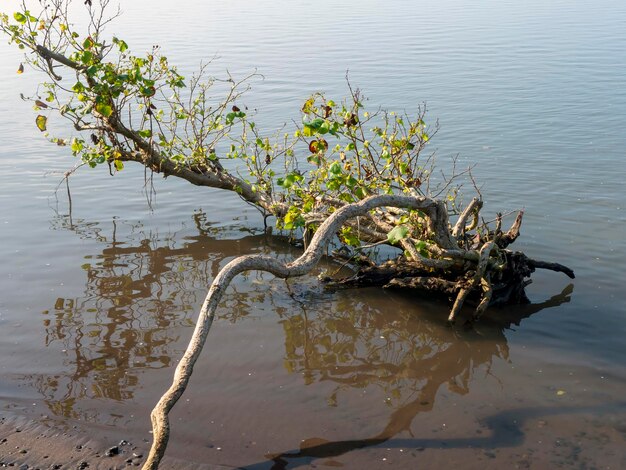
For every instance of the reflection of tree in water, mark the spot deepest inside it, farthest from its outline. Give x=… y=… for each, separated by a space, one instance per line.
x=143 y=288
x=408 y=356
x=139 y=291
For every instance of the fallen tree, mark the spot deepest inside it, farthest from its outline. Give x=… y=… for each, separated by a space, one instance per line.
x=371 y=185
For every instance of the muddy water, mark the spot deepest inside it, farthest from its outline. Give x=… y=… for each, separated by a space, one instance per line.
x=96 y=306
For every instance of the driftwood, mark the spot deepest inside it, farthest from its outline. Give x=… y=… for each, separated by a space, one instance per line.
x=486 y=274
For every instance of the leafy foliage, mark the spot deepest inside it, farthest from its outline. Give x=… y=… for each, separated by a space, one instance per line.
x=127 y=107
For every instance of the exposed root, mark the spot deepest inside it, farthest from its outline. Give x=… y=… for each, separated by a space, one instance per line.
x=552 y=267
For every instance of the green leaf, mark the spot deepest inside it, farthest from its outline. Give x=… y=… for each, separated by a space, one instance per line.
x=77 y=145
x=86 y=57
x=398 y=233
x=289 y=180
x=314 y=159
x=104 y=109
x=334 y=184
x=78 y=87
x=91 y=71
x=335 y=168
x=119 y=166
x=422 y=247
x=148 y=91
x=145 y=133
x=41 y=122
x=315 y=124
x=349 y=238
x=293 y=219
x=121 y=44
x=19 y=17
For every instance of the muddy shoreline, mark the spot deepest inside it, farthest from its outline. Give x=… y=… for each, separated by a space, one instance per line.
x=27 y=445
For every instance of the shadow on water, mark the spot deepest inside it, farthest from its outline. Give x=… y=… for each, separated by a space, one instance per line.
x=410 y=360
x=141 y=295
x=506 y=430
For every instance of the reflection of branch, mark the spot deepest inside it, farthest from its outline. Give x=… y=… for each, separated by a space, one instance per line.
x=140 y=289
x=431 y=373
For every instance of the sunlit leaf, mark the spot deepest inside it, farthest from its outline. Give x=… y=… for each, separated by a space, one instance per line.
x=148 y=91
x=20 y=69
x=398 y=233
x=19 y=17
x=41 y=122
x=315 y=159
x=335 y=168
x=86 y=57
x=318 y=146
x=104 y=109
x=88 y=43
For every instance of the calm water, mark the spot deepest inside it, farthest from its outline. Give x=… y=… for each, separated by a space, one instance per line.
x=96 y=309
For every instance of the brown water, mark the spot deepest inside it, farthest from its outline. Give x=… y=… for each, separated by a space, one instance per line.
x=96 y=308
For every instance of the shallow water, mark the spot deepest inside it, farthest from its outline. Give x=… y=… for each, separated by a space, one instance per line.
x=96 y=309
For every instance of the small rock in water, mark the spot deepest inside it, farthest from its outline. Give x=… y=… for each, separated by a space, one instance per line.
x=123 y=442
x=115 y=450
x=82 y=466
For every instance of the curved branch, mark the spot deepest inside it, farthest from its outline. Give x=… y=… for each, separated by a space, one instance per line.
x=511 y=235
x=552 y=267
x=299 y=267
x=475 y=205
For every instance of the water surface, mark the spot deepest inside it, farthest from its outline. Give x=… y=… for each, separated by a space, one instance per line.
x=96 y=308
